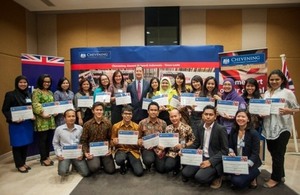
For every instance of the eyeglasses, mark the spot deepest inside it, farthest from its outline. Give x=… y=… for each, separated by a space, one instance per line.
x=127 y=113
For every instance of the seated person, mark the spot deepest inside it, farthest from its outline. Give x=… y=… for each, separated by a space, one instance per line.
x=68 y=134
x=97 y=129
x=131 y=153
x=244 y=141
x=211 y=139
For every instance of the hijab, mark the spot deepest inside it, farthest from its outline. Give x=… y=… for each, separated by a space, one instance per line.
x=232 y=95
x=21 y=95
x=169 y=87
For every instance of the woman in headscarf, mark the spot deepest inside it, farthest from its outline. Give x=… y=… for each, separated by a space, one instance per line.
x=231 y=95
x=20 y=131
x=165 y=89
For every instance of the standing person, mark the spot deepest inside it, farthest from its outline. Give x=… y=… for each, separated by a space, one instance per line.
x=138 y=89
x=148 y=126
x=104 y=84
x=21 y=131
x=118 y=86
x=129 y=153
x=186 y=139
x=44 y=123
x=154 y=88
x=98 y=129
x=68 y=134
x=195 y=117
x=85 y=89
x=179 y=84
x=212 y=140
x=232 y=95
x=277 y=127
x=210 y=88
x=62 y=93
x=251 y=91
x=244 y=141
x=165 y=89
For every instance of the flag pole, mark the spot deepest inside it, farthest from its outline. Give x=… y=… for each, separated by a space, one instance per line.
x=294 y=133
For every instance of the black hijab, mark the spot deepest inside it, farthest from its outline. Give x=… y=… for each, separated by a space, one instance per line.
x=21 y=95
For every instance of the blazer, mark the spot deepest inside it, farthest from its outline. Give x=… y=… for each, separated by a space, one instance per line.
x=138 y=112
x=218 y=144
x=252 y=145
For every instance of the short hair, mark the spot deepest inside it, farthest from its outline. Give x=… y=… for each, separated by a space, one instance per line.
x=249 y=124
x=98 y=104
x=127 y=108
x=153 y=104
x=83 y=80
x=40 y=81
x=60 y=82
x=210 y=107
x=139 y=66
x=68 y=110
x=281 y=75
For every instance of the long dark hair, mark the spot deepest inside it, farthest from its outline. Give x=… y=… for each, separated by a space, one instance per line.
x=151 y=91
x=113 y=78
x=197 y=78
x=81 y=88
x=60 y=82
x=214 y=91
x=40 y=81
x=100 y=84
x=181 y=76
x=281 y=75
x=256 y=93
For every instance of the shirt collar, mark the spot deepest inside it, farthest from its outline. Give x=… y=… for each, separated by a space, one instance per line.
x=65 y=127
x=210 y=127
x=123 y=124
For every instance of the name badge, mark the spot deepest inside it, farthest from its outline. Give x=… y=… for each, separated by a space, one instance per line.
x=28 y=100
x=242 y=144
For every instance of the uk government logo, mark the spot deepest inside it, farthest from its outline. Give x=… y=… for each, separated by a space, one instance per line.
x=226 y=61
x=82 y=55
x=98 y=55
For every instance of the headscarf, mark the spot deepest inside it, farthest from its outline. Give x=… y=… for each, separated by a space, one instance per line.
x=21 y=95
x=169 y=87
x=232 y=95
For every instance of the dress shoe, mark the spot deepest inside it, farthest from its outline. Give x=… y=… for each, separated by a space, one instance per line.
x=27 y=167
x=22 y=170
x=253 y=184
x=184 y=179
x=268 y=185
x=123 y=170
x=217 y=183
x=46 y=163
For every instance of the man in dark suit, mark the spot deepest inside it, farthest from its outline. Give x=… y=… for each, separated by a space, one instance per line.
x=212 y=140
x=138 y=89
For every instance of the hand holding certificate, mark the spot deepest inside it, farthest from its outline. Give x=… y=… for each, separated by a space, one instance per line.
x=201 y=102
x=103 y=97
x=99 y=148
x=85 y=101
x=72 y=151
x=175 y=103
x=276 y=104
x=187 y=99
x=21 y=113
x=128 y=137
x=235 y=164
x=227 y=107
x=150 y=141
x=168 y=139
x=260 y=106
x=191 y=157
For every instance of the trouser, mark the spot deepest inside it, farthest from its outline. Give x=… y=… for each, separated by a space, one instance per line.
x=80 y=165
x=277 y=150
x=206 y=175
x=107 y=162
x=242 y=181
x=20 y=154
x=45 y=139
x=172 y=164
x=149 y=158
x=135 y=163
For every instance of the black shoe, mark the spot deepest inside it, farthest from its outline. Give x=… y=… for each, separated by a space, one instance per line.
x=175 y=172
x=184 y=179
x=253 y=184
x=22 y=171
x=27 y=167
x=43 y=163
x=123 y=170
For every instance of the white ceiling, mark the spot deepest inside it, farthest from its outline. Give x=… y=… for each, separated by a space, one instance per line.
x=82 y=5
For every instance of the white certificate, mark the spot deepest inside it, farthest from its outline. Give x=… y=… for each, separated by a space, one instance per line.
x=65 y=105
x=235 y=165
x=99 y=148
x=21 y=113
x=85 y=101
x=260 y=106
x=128 y=137
x=146 y=103
x=168 y=139
x=228 y=107
x=72 y=151
x=175 y=103
x=276 y=104
x=191 y=157
x=103 y=97
x=201 y=102
x=50 y=108
x=162 y=100
x=123 y=98
x=150 y=141
x=187 y=99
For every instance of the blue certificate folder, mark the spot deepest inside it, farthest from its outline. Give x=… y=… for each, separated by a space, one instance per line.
x=121 y=94
x=235 y=158
x=150 y=136
x=71 y=147
x=190 y=151
x=19 y=108
x=228 y=102
x=187 y=95
x=204 y=99
x=277 y=100
x=95 y=144
x=125 y=132
x=259 y=101
x=166 y=135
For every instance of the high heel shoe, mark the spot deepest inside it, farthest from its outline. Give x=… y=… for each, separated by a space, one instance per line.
x=27 y=167
x=43 y=163
x=22 y=171
x=253 y=184
x=272 y=185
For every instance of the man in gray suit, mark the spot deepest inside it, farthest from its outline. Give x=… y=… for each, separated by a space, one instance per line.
x=212 y=140
x=138 y=89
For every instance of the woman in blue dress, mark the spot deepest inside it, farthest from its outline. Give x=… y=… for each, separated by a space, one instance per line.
x=20 y=131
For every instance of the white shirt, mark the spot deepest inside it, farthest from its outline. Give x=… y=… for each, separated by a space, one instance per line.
x=207 y=134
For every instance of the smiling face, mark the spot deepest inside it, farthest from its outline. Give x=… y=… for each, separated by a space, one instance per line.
x=85 y=86
x=242 y=119
x=275 y=81
x=22 y=84
x=118 y=78
x=179 y=81
x=46 y=83
x=65 y=85
x=154 y=85
x=227 y=87
x=127 y=116
x=250 y=88
x=164 y=85
x=98 y=112
x=139 y=73
x=210 y=86
x=175 y=117
x=196 y=85
x=153 y=111
x=104 y=80
x=70 y=117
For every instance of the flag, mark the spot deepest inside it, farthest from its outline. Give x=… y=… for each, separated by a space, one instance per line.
x=290 y=84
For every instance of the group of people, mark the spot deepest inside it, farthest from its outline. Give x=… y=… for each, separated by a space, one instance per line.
x=214 y=134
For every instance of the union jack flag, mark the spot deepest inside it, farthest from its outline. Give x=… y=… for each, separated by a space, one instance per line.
x=42 y=60
x=290 y=84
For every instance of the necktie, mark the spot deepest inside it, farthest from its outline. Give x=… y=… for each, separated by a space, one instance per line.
x=139 y=90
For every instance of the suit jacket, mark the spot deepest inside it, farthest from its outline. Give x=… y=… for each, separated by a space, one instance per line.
x=218 y=144
x=252 y=145
x=138 y=112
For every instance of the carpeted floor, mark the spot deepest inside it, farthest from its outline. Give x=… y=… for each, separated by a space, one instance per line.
x=166 y=184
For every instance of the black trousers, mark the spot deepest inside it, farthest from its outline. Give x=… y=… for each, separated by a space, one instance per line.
x=45 y=139
x=277 y=150
x=20 y=154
